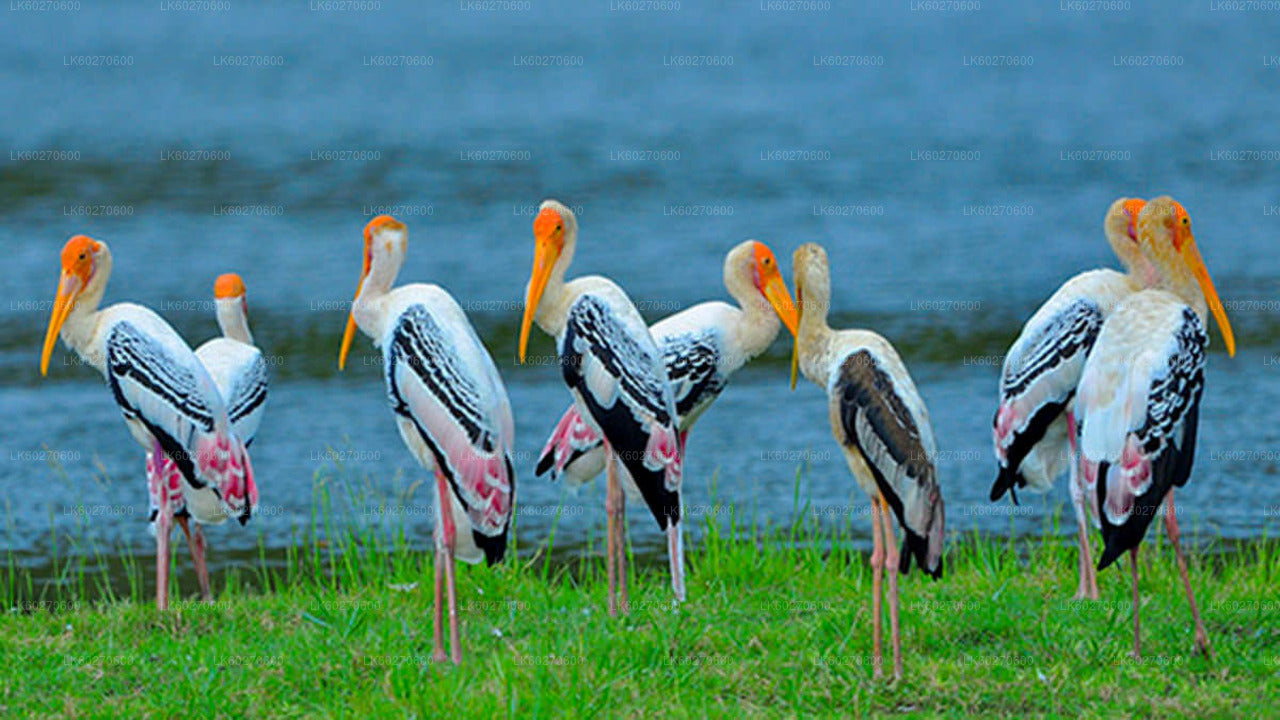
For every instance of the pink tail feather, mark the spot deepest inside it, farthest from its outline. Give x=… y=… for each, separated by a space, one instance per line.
x=572 y=435
x=664 y=453
x=223 y=461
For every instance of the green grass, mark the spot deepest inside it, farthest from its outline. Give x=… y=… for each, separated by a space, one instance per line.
x=777 y=624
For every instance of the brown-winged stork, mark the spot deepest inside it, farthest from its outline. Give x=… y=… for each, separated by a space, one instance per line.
x=618 y=380
x=1034 y=428
x=702 y=346
x=170 y=403
x=882 y=425
x=1139 y=397
x=450 y=406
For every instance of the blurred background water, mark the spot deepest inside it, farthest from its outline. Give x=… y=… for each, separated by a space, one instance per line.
x=955 y=159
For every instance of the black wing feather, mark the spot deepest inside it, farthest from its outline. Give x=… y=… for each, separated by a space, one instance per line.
x=1167 y=435
x=867 y=394
x=592 y=330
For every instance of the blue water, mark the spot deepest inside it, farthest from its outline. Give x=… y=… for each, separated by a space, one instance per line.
x=920 y=253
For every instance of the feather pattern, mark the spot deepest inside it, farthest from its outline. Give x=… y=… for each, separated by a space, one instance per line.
x=877 y=414
x=1039 y=378
x=166 y=393
x=463 y=416
x=240 y=372
x=615 y=371
x=1139 y=408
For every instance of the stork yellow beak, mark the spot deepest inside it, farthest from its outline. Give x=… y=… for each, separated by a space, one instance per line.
x=545 y=254
x=795 y=345
x=1191 y=256
x=350 y=333
x=69 y=287
x=775 y=291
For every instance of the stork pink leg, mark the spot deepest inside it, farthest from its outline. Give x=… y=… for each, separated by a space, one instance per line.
x=611 y=553
x=196 y=541
x=1171 y=525
x=877 y=579
x=438 y=609
x=1137 y=635
x=449 y=532
x=891 y=571
x=675 y=553
x=620 y=504
x=455 y=643
x=1087 y=588
x=163 y=526
x=159 y=487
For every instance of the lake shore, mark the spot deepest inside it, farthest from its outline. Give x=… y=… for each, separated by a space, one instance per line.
x=775 y=625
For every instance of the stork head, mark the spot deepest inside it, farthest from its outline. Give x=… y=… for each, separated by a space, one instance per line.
x=228 y=290
x=555 y=231
x=232 y=307
x=385 y=242
x=83 y=260
x=1121 y=228
x=1164 y=233
x=751 y=268
x=813 y=293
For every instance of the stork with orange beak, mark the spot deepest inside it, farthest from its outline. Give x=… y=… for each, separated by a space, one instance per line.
x=882 y=425
x=619 y=382
x=239 y=371
x=1139 y=397
x=170 y=402
x=450 y=406
x=1034 y=431
x=702 y=347
x=237 y=366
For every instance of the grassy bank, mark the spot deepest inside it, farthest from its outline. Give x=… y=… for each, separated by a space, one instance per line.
x=774 y=625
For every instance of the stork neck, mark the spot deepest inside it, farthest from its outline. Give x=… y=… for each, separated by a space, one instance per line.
x=1182 y=283
x=758 y=324
x=553 y=308
x=815 y=337
x=373 y=289
x=233 y=320
x=81 y=325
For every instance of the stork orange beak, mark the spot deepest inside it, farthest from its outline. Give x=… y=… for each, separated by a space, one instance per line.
x=548 y=235
x=774 y=288
x=795 y=345
x=69 y=287
x=1191 y=256
x=350 y=333
x=78 y=263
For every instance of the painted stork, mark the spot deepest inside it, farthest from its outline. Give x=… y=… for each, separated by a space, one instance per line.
x=702 y=347
x=882 y=425
x=1139 y=397
x=1034 y=427
x=617 y=377
x=240 y=373
x=450 y=406
x=170 y=402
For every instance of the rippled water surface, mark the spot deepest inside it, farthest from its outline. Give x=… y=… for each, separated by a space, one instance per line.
x=946 y=190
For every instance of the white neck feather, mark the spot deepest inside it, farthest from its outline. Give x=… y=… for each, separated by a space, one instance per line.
x=233 y=320
x=80 y=330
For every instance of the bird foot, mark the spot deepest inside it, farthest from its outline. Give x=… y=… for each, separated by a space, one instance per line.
x=439 y=657
x=1202 y=646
